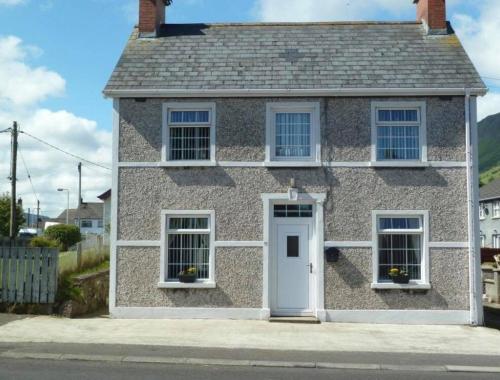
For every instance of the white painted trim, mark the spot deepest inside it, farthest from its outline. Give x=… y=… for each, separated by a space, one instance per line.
x=310 y=107
x=163 y=246
x=205 y=106
x=138 y=243
x=219 y=244
x=187 y=313
x=185 y=285
x=318 y=226
x=320 y=92
x=369 y=244
x=407 y=317
x=329 y=164
x=475 y=275
x=349 y=244
x=418 y=105
x=391 y=285
x=424 y=214
x=113 y=236
x=448 y=244
x=292 y=164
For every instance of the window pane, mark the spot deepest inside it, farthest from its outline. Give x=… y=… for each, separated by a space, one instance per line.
x=293 y=135
x=293 y=211
x=401 y=251
x=188 y=223
x=397 y=115
x=292 y=246
x=189 y=116
x=86 y=224
x=398 y=143
x=399 y=223
x=190 y=143
x=187 y=251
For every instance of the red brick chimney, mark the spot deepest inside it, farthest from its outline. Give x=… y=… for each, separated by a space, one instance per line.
x=151 y=16
x=433 y=14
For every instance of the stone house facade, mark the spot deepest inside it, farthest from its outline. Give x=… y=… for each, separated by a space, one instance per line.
x=293 y=166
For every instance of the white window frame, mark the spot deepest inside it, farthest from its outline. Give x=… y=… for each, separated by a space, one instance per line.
x=188 y=106
x=421 y=108
x=312 y=108
x=202 y=283
x=86 y=221
x=424 y=282
x=482 y=211
x=495 y=239
x=482 y=240
x=495 y=210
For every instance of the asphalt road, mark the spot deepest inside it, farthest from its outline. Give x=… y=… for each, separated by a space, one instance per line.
x=53 y=370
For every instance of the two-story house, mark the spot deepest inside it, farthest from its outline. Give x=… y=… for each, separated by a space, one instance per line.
x=293 y=165
x=489 y=214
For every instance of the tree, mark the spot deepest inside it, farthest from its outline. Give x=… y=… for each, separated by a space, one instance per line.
x=5 y=216
x=66 y=234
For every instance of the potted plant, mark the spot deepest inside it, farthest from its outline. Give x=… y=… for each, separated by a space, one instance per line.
x=189 y=275
x=399 y=276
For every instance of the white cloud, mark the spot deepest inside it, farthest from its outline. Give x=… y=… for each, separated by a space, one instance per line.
x=12 y=2
x=329 y=10
x=20 y=84
x=22 y=89
x=480 y=36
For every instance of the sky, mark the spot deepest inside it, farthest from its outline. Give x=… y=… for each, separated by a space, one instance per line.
x=56 y=56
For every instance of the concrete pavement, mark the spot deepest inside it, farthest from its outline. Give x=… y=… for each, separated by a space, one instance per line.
x=326 y=337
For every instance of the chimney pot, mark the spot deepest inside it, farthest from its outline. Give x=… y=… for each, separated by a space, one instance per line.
x=151 y=17
x=432 y=13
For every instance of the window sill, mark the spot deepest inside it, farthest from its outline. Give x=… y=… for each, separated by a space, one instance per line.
x=390 y=285
x=292 y=164
x=177 y=164
x=399 y=164
x=185 y=285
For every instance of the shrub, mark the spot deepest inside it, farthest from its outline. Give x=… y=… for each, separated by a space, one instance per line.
x=43 y=242
x=67 y=235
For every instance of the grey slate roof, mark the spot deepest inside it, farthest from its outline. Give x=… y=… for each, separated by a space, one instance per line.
x=89 y=210
x=293 y=56
x=490 y=191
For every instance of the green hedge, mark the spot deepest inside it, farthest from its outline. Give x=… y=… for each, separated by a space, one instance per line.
x=66 y=235
x=43 y=242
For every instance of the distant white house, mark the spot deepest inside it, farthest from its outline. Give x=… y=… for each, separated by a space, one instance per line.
x=89 y=216
x=106 y=213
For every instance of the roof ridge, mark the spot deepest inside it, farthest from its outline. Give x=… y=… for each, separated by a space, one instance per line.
x=299 y=23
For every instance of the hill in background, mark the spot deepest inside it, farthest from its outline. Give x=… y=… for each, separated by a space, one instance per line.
x=489 y=148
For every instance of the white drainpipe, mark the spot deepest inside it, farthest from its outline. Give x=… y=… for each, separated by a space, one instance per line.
x=475 y=285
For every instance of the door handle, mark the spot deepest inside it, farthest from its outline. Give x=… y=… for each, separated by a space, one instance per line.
x=310 y=267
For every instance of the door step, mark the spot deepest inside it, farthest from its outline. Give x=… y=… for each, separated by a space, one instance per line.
x=307 y=320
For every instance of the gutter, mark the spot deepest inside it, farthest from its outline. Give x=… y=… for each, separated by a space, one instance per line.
x=475 y=285
x=290 y=92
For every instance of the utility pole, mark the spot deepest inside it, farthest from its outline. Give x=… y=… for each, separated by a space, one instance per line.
x=13 y=179
x=79 y=194
x=29 y=217
x=37 y=215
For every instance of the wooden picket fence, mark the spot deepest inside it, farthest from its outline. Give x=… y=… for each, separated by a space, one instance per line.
x=28 y=275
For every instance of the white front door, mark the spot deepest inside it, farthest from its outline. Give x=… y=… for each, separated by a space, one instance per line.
x=293 y=269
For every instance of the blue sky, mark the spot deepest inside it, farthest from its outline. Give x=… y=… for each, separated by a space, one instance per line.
x=69 y=48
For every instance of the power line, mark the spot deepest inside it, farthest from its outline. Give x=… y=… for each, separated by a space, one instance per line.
x=5 y=130
x=29 y=175
x=491 y=78
x=65 y=152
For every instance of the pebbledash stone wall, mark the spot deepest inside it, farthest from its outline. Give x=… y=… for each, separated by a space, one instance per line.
x=235 y=196
x=241 y=128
